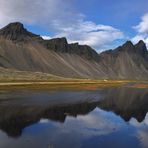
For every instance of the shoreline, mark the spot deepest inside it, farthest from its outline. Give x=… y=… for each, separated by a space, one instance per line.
x=53 y=85
x=70 y=84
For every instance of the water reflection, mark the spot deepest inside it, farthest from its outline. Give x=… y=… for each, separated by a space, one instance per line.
x=26 y=108
x=126 y=102
x=106 y=118
x=13 y=120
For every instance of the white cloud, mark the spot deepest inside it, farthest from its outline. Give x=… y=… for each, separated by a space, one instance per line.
x=139 y=37
x=93 y=124
x=61 y=18
x=46 y=37
x=142 y=130
x=142 y=29
x=87 y=32
x=35 y=11
x=143 y=25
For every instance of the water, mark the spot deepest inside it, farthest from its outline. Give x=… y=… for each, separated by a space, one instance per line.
x=109 y=118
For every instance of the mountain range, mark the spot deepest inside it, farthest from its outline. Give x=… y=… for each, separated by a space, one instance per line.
x=21 y=50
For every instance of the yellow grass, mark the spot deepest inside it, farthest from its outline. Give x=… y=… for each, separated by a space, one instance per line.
x=75 y=84
x=140 y=86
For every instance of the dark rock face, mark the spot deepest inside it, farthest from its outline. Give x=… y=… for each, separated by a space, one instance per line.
x=128 y=61
x=84 y=51
x=128 y=47
x=57 y=44
x=61 y=45
x=81 y=61
x=141 y=49
x=16 y=32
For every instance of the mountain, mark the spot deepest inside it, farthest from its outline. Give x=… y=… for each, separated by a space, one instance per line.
x=22 y=50
x=128 y=61
x=17 y=32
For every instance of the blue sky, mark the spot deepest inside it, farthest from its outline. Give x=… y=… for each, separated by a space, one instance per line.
x=102 y=24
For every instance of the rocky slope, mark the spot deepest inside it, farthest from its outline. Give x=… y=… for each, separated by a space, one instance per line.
x=25 y=51
x=128 y=61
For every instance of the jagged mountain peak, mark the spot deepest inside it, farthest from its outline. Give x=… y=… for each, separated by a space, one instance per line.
x=61 y=45
x=128 y=46
x=141 y=42
x=141 y=48
x=58 y=57
x=16 y=32
x=61 y=40
x=13 y=28
x=129 y=43
x=16 y=26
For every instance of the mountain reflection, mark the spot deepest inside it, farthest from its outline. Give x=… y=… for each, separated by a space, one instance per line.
x=13 y=120
x=126 y=102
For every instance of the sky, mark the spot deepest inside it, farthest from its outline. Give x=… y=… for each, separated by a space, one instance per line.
x=102 y=24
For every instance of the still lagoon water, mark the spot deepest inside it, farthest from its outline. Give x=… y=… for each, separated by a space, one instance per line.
x=106 y=118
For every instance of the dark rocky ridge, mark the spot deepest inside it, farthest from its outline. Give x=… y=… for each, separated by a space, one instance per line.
x=141 y=49
x=129 y=47
x=57 y=57
x=17 y=32
x=61 y=45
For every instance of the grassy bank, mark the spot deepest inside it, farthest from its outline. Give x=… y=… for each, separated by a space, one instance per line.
x=17 y=80
x=140 y=85
x=75 y=84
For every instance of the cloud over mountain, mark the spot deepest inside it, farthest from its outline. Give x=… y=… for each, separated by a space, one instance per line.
x=143 y=25
x=61 y=18
x=142 y=29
